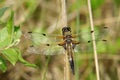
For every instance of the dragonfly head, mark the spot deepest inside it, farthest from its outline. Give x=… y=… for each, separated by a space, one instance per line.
x=66 y=31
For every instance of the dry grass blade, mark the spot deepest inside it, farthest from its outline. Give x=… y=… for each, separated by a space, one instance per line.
x=64 y=22
x=63 y=13
x=93 y=37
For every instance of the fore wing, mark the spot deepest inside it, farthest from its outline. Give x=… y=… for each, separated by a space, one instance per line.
x=44 y=44
x=86 y=42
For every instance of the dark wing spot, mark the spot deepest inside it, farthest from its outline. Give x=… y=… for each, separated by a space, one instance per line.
x=29 y=32
x=92 y=31
x=43 y=34
x=89 y=41
x=47 y=44
x=104 y=40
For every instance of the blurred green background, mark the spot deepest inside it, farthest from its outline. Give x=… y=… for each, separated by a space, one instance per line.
x=45 y=16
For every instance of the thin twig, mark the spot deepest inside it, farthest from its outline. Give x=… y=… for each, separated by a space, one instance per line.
x=94 y=43
x=63 y=13
x=64 y=23
x=66 y=68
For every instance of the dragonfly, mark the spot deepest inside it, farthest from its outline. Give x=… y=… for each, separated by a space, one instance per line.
x=52 y=44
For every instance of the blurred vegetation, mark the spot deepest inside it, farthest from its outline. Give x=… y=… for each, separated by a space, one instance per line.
x=9 y=38
x=45 y=16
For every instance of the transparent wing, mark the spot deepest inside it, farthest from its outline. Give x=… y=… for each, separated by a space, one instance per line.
x=85 y=34
x=44 y=44
x=87 y=46
x=46 y=50
x=47 y=44
x=39 y=38
x=85 y=39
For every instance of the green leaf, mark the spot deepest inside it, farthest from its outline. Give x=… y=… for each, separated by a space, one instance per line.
x=10 y=35
x=11 y=55
x=10 y=26
x=17 y=34
x=2 y=11
x=3 y=65
x=24 y=61
x=4 y=43
x=3 y=34
x=4 y=38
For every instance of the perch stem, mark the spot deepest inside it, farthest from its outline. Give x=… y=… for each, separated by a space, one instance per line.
x=94 y=43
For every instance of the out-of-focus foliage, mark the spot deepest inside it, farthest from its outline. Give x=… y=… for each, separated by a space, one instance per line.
x=3 y=65
x=117 y=2
x=96 y=4
x=9 y=37
x=2 y=10
x=44 y=16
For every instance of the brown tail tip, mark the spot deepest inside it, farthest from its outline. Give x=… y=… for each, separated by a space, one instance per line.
x=72 y=66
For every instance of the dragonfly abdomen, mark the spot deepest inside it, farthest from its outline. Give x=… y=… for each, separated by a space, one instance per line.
x=70 y=57
x=71 y=61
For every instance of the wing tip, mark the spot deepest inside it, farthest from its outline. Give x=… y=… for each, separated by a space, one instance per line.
x=43 y=34
x=29 y=32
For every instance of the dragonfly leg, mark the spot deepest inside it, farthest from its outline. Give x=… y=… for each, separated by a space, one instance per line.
x=62 y=44
x=74 y=43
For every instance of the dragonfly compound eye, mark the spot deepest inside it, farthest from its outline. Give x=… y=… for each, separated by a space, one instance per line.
x=66 y=29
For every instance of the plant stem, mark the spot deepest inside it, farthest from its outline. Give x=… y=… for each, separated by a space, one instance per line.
x=66 y=68
x=93 y=38
x=63 y=13
x=64 y=23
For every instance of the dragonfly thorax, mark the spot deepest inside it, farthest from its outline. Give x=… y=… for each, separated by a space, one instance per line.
x=68 y=39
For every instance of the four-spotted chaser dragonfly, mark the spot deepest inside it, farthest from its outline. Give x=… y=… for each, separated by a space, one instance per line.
x=45 y=45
